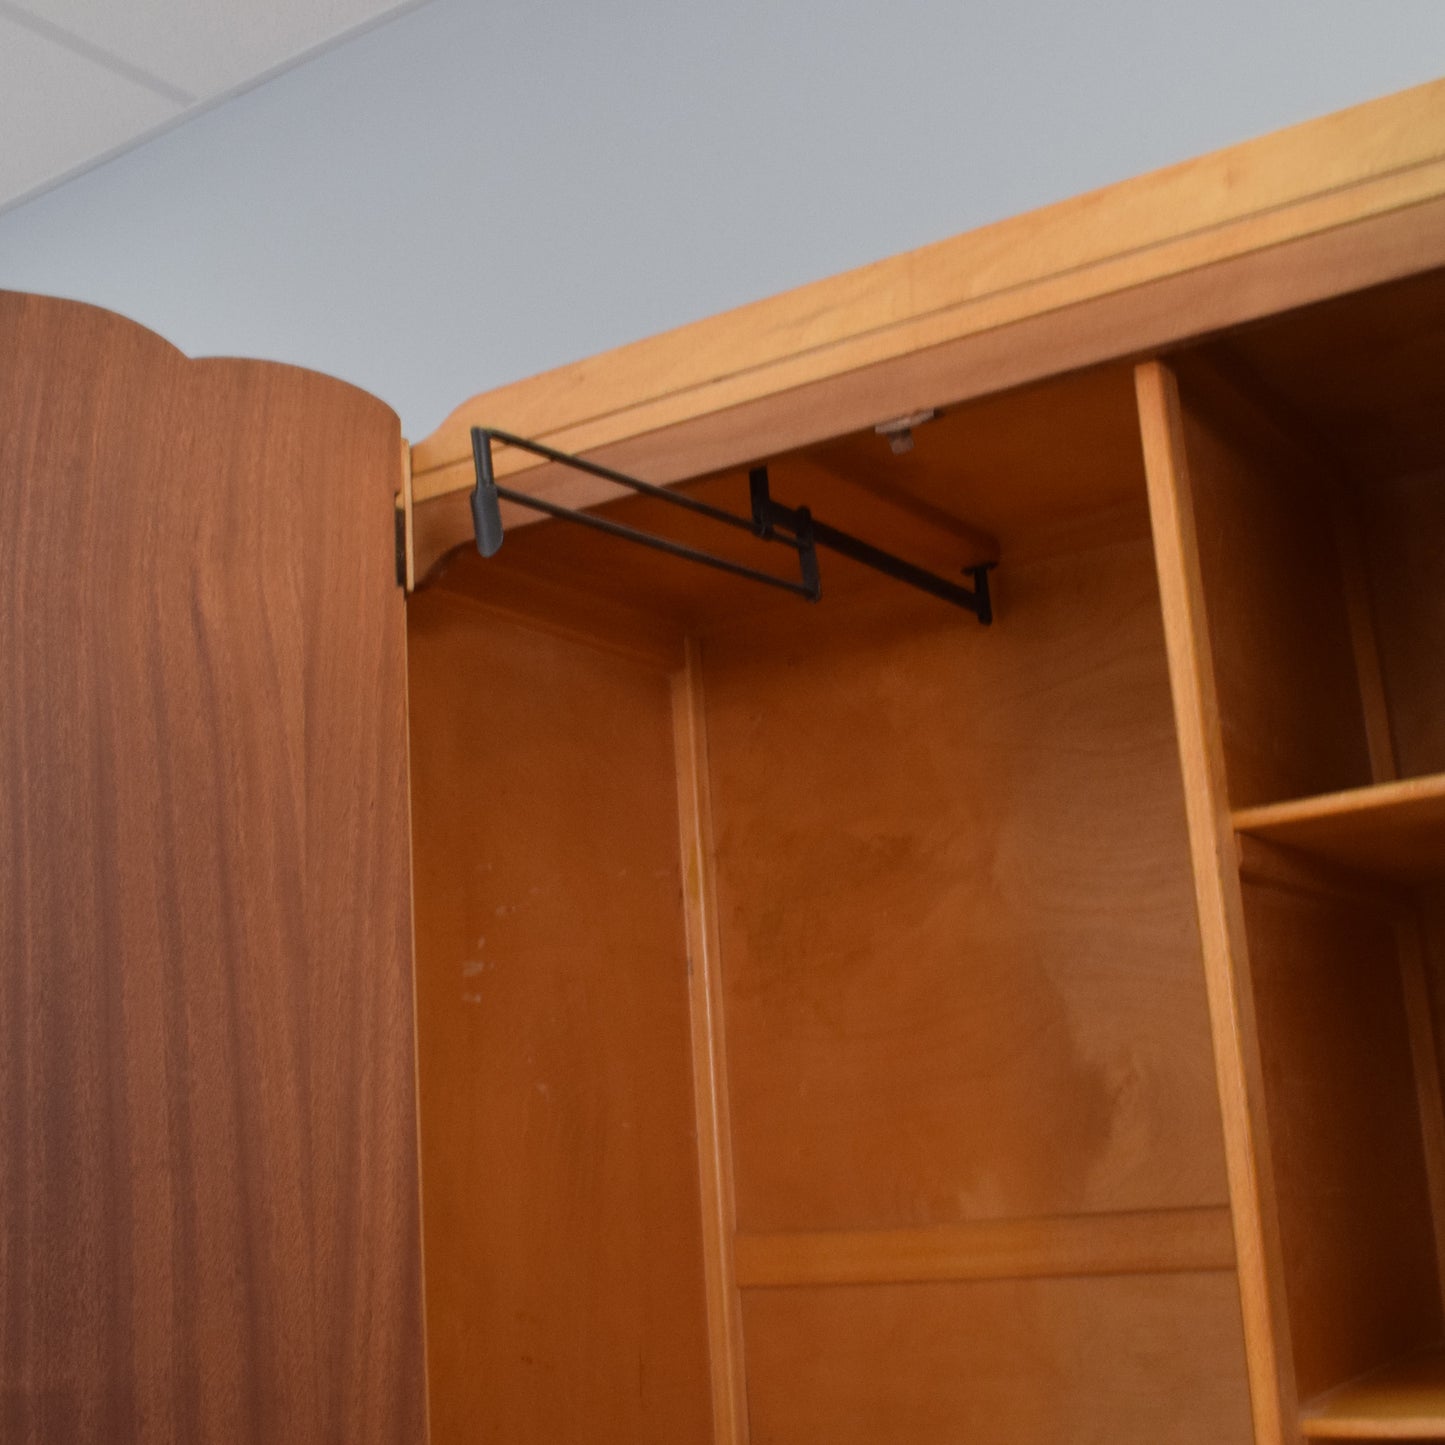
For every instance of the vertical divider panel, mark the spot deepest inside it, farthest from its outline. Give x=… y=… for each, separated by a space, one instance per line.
x=1424 y=1049
x=1220 y=904
x=714 y=1136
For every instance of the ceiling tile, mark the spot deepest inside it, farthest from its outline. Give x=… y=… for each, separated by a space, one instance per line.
x=207 y=47
x=59 y=110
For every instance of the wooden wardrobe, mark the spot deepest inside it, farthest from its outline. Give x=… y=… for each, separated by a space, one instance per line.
x=818 y=1022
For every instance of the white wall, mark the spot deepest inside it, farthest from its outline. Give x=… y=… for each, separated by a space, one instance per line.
x=477 y=191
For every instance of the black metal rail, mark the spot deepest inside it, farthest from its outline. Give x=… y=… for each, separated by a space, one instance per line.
x=792 y=527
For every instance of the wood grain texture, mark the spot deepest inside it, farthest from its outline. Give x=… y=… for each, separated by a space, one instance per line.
x=209 y=1214
x=1403 y=1401
x=709 y=1056
x=1168 y=1241
x=532 y=586
x=960 y=961
x=1394 y=830
x=668 y=439
x=1358 y=1256
x=565 y=1285
x=1220 y=906
x=1030 y=1362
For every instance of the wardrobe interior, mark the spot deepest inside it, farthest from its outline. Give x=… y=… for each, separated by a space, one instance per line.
x=814 y=1029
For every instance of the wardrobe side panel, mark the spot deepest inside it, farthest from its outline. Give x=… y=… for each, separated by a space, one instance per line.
x=208 y=1170
x=559 y=1157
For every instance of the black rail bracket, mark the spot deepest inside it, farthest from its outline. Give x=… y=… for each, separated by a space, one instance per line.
x=771 y=518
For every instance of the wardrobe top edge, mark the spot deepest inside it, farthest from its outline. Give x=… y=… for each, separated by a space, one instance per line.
x=1360 y=164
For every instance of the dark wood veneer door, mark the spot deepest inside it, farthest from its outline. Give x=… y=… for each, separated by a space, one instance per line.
x=208 y=1178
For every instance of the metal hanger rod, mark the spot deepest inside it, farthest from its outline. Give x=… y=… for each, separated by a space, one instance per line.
x=647 y=489
x=660 y=544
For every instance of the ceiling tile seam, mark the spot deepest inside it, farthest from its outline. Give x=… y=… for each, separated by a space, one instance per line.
x=204 y=103
x=97 y=54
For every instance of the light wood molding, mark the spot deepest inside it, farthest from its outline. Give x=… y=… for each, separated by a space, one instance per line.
x=1133 y=322
x=1317 y=186
x=1221 y=912
x=709 y=1056
x=1403 y=1401
x=1166 y=1241
x=1392 y=830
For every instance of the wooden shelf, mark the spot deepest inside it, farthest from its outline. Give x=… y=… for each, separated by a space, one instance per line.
x=1391 y=830
x=1403 y=1401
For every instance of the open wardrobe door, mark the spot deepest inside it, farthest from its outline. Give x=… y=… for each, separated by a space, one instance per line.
x=207 y=1112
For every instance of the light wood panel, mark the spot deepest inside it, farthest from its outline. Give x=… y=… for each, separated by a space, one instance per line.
x=521 y=585
x=1220 y=905
x=1160 y=1242
x=1358 y=1258
x=1403 y=1401
x=1029 y=466
x=1030 y=1362
x=1394 y=830
x=209 y=1207
x=670 y=440
x=563 y=1220
x=959 y=954
x=709 y=1056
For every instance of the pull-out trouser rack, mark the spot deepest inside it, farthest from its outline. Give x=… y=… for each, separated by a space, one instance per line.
x=792 y=527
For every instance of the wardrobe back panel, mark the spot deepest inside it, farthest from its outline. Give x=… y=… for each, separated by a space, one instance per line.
x=1289 y=697
x=958 y=943
x=1364 y=373
x=1404 y=524
x=208 y=1175
x=1349 y=1165
x=1013 y=1362
x=560 y=1174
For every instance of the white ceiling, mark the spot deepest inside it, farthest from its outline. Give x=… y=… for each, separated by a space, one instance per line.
x=83 y=79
